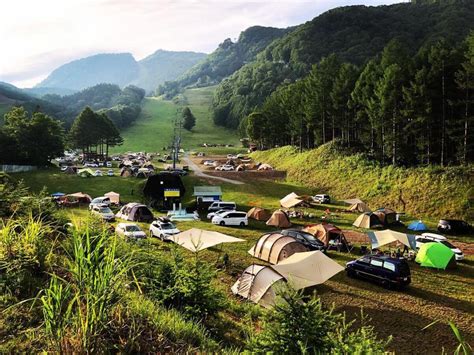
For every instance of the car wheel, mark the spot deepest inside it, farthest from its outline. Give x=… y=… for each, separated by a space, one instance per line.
x=222 y=223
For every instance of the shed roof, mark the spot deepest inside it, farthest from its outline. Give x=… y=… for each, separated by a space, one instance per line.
x=207 y=191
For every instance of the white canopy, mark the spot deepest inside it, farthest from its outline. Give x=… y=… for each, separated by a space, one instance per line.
x=307 y=269
x=195 y=239
x=290 y=200
x=388 y=236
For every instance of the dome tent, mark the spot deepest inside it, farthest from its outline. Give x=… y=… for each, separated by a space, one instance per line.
x=417 y=226
x=258 y=214
x=329 y=234
x=435 y=255
x=279 y=219
x=367 y=220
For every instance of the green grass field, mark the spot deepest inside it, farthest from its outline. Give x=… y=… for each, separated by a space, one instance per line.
x=153 y=130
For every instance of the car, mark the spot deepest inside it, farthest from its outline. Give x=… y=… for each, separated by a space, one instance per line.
x=91 y=165
x=231 y=218
x=231 y=156
x=104 y=212
x=130 y=231
x=222 y=205
x=454 y=226
x=322 y=198
x=97 y=173
x=110 y=172
x=225 y=167
x=99 y=201
x=306 y=238
x=108 y=164
x=212 y=214
x=382 y=269
x=210 y=162
x=163 y=229
x=437 y=238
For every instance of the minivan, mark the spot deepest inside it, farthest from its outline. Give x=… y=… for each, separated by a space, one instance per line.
x=382 y=269
x=231 y=218
x=221 y=205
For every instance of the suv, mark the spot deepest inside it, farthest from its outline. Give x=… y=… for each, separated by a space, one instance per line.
x=220 y=205
x=163 y=229
x=130 y=231
x=322 y=198
x=436 y=238
x=231 y=218
x=306 y=238
x=99 y=201
x=454 y=226
x=104 y=212
x=387 y=271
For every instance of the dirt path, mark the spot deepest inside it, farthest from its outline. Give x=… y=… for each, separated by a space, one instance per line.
x=198 y=172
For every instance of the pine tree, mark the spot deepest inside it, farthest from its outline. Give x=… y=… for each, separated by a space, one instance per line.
x=189 y=121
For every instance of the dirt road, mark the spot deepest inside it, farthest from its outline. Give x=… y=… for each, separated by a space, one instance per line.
x=200 y=173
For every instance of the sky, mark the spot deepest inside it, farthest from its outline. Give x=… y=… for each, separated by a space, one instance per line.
x=37 y=36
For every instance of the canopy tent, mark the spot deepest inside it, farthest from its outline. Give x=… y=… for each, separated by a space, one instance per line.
x=290 y=200
x=388 y=236
x=135 y=212
x=307 y=269
x=81 y=197
x=274 y=247
x=367 y=220
x=359 y=207
x=259 y=214
x=329 y=234
x=435 y=255
x=195 y=239
x=113 y=197
x=353 y=201
x=279 y=219
x=417 y=226
x=386 y=215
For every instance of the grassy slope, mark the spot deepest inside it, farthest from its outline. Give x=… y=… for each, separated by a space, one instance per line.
x=427 y=191
x=154 y=128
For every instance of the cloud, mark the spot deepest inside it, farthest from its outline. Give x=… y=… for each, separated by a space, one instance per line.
x=38 y=36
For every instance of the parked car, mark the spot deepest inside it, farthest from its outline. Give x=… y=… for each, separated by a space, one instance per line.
x=307 y=239
x=130 y=231
x=454 y=226
x=104 y=212
x=210 y=163
x=98 y=173
x=231 y=218
x=212 y=214
x=437 y=238
x=225 y=167
x=110 y=172
x=99 y=201
x=323 y=198
x=163 y=229
x=231 y=156
x=222 y=205
x=108 y=164
x=91 y=165
x=382 y=269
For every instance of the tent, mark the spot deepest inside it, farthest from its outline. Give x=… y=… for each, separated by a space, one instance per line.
x=353 y=201
x=274 y=247
x=367 y=220
x=290 y=200
x=85 y=172
x=307 y=269
x=386 y=215
x=388 y=236
x=113 y=197
x=435 y=255
x=279 y=219
x=258 y=214
x=257 y=283
x=417 y=226
x=81 y=197
x=135 y=212
x=70 y=170
x=195 y=239
x=359 y=207
x=329 y=234
x=265 y=167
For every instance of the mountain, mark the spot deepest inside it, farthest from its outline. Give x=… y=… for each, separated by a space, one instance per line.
x=225 y=60
x=354 y=33
x=118 y=68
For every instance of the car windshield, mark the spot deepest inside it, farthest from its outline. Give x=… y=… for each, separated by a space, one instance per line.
x=132 y=229
x=105 y=210
x=97 y=200
x=310 y=238
x=168 y=226
x=448 y=244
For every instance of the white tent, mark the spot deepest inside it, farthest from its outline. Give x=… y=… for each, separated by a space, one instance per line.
x=290 y=200
x=113 y=197
x=195 y=239
x=388 y=236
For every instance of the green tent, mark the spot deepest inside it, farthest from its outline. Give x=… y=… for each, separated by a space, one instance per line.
x=435 y=255
x=85 y=172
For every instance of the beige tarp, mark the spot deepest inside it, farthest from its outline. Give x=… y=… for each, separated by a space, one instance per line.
x=307 y=269
x=195 y=239
x=290 y=200
x=80 y=195
x=259 y=214
x=279 y=219
x=352 y=201
x=359 y=207
x=389 y=236
x=113 y=197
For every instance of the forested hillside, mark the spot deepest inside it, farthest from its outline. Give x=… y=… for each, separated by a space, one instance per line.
x=354 y=34
x=225 y=60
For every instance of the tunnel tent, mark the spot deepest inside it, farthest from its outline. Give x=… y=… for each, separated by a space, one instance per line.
x=279 y=219
x=274 y=247
x=136 y=212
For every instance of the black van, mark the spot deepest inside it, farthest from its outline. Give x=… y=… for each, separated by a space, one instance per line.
x=382 y=269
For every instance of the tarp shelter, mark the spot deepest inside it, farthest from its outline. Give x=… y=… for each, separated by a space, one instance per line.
x=279 y=219
x=164 y=190
x=258 y=214
x=85 y=172
x=81 y=197
x=359 y=207
x=265 y=167
x=435 y=255
x=417 y=226
x=386 y=215
x=207 y=193
x=329 y=234
x=274 y=247
x=135 y=212
x=307 y=269
x=290 y=200
x=388 y=236
x=367 y=220
x=195 y=239
x=257 y=283
x=113 y=197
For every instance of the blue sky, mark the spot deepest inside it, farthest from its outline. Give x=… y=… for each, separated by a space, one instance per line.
x=38 y=36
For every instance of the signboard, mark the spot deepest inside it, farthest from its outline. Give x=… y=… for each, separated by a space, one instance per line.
x=171 y=192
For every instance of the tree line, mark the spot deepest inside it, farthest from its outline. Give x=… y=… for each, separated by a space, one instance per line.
x=400 y=109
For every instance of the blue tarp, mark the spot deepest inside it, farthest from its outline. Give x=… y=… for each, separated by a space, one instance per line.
x=417 y=226
x=57 y=194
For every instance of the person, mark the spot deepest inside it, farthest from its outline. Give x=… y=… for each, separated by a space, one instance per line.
x=405 y=250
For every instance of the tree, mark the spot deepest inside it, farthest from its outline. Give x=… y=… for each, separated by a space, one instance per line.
x=189 y=121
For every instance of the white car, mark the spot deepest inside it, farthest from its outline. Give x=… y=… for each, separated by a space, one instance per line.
x=99 y=201
x=231 y=156
x=210 y=215
x=104 y=212
x=231 y=218
x=108 y=164
x=130 y=231
x=225 y=167
x=163 y=229
x=97 y=173
x=110 y=172
x=91 y=165
x=209 y=163
x=438 y=238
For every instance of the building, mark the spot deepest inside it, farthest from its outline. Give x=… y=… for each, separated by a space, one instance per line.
x=207 y=194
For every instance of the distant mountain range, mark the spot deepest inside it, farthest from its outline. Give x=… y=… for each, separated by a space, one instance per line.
x=118 y=68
